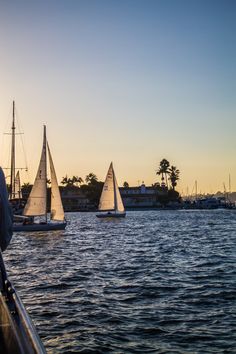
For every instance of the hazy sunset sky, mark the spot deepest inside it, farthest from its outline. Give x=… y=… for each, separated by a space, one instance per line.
x=127 y=81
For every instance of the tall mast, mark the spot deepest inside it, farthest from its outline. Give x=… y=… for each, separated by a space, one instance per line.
x=13 y=128
x=45 y=152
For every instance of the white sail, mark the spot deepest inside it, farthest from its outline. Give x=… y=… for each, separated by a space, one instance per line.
x=37 y=201
x=110 y=197
x=119 y=202
x=57 y=212
x=18 y=193
x=107 y=200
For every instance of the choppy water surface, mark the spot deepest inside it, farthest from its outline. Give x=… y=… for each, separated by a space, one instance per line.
x=155 y=282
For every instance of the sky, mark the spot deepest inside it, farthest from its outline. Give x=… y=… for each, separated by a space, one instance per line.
x=128 y=81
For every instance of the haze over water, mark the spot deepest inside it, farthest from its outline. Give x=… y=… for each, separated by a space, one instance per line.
x=155 y=282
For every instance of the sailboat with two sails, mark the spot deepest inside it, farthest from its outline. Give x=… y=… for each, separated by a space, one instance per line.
x=111 y=204
x=36 y=205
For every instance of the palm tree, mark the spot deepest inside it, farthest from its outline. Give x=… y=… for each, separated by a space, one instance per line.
x=25 y=189
x=173 y=176
x=163 y=170
x=76 y=180
x=64 y=180
x=71 y=181
x=91 y=178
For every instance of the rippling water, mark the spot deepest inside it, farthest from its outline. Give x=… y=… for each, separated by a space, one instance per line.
x=154 y=282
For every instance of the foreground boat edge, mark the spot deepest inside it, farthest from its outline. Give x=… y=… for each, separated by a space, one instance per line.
x=17 y=332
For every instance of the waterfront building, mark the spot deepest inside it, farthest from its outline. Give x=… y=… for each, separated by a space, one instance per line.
x=74 y=199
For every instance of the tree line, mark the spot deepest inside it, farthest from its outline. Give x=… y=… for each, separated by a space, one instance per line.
x=92 y=187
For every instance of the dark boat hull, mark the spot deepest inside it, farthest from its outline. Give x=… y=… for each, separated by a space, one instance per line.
x=39 y=227
x=111 y=215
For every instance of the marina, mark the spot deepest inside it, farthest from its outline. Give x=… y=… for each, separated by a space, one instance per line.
x=120 y=237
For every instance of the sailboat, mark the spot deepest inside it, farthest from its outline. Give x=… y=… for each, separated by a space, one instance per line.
x=15 y=195
x=37 y=202
x=110 y=204
x=18 y=192
x=17 y=203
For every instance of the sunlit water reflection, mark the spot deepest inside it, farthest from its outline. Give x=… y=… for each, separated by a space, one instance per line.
x=154 y=282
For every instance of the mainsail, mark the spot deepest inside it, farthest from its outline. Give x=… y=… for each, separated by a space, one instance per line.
x=57 y=212
x=107 y=201
x=18 y=193
x=110 y=197
x=119 y=202
x=37 y=201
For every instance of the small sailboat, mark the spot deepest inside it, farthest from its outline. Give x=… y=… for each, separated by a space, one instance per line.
x=111 y=204
x=37 y=202
x=15 y=195
x=18 y=186
x=17 y=203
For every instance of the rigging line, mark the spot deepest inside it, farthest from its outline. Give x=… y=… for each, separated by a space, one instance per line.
x=18 y=124
x=193 y=189
x=2 y=144
x=8 y=122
